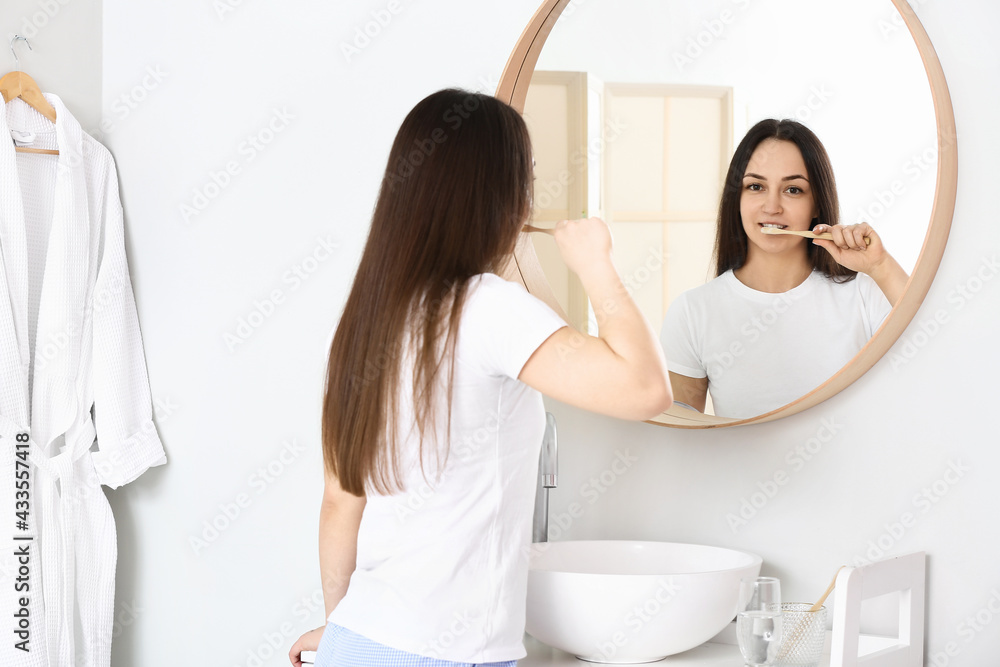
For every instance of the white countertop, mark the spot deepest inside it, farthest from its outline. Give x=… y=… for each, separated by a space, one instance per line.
x=542 y=655
x=721 y=651
x=706 y=655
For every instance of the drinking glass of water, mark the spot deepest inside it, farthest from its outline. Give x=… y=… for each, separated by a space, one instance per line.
x=758 y=620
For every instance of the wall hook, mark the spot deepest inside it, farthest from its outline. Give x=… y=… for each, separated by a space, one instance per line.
x=17 y=62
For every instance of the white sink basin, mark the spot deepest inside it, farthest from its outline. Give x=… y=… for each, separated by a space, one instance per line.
x=629 y=602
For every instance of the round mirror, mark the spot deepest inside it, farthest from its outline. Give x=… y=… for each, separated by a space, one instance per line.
x=635 y=107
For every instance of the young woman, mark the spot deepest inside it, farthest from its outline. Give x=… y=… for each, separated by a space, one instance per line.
x=784 y=312
x=433 y=420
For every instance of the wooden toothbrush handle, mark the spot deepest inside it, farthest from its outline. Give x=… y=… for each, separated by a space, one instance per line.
x=826 y=235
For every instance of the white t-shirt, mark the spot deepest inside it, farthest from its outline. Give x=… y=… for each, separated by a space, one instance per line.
x=442 y=567
x=761 y=351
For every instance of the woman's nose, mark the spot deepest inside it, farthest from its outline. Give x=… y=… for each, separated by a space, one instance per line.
x=772 y=203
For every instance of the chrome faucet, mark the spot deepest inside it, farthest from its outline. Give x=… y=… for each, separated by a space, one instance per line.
x=548 y=472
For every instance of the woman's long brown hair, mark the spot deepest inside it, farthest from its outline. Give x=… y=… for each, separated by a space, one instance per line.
x=731 y=243
x=456 y=192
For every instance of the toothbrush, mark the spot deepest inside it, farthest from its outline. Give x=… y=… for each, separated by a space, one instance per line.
x=809 y=235
x=531 y=228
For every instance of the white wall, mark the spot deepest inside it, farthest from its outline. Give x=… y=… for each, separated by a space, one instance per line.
x=226 y=414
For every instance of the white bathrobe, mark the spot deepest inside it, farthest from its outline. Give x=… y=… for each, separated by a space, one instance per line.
x=69 y=344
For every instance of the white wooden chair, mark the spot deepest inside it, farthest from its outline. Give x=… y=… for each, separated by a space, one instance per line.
x=854 y=585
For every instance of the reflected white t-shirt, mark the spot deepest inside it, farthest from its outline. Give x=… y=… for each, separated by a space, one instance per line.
x=760 y=350
x=442 y=567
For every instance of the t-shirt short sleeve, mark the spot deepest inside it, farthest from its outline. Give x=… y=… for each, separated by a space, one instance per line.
x=877 y=306
x=502 y=326
x=678 y=338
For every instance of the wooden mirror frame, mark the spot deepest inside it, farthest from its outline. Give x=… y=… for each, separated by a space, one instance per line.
x=526 y=269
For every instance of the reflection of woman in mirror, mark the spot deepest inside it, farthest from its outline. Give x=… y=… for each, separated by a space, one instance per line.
x=784 y=313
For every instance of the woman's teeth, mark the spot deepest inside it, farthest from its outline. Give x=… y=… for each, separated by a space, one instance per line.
x=772 y=225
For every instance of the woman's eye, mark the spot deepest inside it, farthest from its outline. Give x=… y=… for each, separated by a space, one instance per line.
x=794 y=190
x=755 y=187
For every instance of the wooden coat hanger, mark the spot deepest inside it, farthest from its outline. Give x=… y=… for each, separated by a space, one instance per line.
x=18 y=84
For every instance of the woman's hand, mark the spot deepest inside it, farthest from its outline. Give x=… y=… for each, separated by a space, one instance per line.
x=849 y=249
x=307 y=642
x=583 y=243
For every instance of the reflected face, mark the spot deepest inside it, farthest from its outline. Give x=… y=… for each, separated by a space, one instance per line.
x=776 y=193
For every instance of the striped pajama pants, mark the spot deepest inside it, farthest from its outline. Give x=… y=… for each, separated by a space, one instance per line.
x=342 y=648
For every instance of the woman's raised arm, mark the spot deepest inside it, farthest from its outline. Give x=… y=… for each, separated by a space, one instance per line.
x=620 y=372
